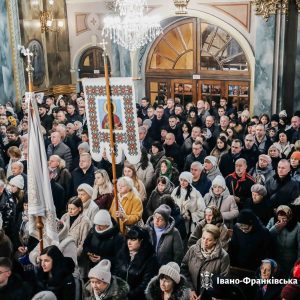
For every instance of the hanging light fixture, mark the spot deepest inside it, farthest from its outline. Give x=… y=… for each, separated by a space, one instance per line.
x=131 y=29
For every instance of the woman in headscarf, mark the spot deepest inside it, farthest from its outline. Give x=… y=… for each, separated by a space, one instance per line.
x=103 y=190
x=212 y=215
x=163 y=187
x=130 y=206
x=189 y=200
x=267 y=270
x=205 y=257
x=166 y=169
x=286 y=231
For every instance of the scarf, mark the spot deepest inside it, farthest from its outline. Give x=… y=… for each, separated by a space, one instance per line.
x=239 y=180
x=102 y=295
x=207 y=253
x=132 y=255
x=168 y=174
x=158 y=233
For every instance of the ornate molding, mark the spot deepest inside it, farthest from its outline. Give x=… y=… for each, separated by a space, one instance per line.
x=266 y=8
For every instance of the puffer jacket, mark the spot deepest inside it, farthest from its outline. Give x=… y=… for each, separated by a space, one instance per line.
x=225 y=203
x=195 y=263
x=170 y=247
x=180 y=292
x=117 y=290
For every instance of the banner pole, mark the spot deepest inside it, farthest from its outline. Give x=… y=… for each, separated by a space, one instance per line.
x=29 y=70
x=111 y=128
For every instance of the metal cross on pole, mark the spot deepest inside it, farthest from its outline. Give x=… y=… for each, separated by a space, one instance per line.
x=111 y=125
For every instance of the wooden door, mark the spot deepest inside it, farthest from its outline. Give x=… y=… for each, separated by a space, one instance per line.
x=237 y=93
x=158 y=89
x=211 y=90
x=184 y=89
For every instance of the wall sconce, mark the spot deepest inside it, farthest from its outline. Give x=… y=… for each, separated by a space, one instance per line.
x=181 y=6
x=47 y=20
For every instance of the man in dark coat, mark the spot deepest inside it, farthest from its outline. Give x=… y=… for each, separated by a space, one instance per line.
x=250 y=152
x=11 y=286
x=85 y=173
x=172 y=151
x=239 y=183
x=227 y=161
x=281 y=189
x=186 y=147
x=200 y=181
x=198 y=154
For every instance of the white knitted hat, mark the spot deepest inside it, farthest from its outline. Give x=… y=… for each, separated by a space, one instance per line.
x=172 y=270
x=101 y=271
x=87 y=188
x=44 y=295
x=219 y=181
x=186 y=176
x=17 y=181
x=102 y=217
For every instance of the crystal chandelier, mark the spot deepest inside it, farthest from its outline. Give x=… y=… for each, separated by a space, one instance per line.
x=131 y=29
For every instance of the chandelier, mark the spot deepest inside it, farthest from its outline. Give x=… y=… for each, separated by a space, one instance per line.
x=131 y=29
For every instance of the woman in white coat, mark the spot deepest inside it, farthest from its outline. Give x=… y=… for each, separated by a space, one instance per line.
x=85 y=193
x=189 y=200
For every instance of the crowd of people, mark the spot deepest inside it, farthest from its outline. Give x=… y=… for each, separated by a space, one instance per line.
x=216 y=195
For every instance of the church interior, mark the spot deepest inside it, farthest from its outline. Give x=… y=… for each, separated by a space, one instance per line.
x=247 y=51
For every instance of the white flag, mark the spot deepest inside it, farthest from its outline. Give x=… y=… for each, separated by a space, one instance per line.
x=40 y=200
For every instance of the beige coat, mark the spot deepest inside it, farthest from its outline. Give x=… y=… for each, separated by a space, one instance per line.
x=78 y=231
x=194 y=264
x=90 y=208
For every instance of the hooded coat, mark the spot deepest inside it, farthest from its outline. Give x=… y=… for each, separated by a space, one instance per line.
x=194 y=263
x=154 y=199
x=225 y=203
x=181 y=291
x=243 y=247
x=170 y=247
x=117 y=290
x=212 y=174
x=104 y=244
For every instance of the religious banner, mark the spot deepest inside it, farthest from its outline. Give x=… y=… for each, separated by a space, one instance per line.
x=40 y=201
x=124 y=117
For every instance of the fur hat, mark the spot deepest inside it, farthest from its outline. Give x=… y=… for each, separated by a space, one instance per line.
x=265 y=157
x=296 y=155
x=87 y=188
x=102 y=217
x=186 y=176
x=246 y=216
x=259 y=189
x=17 y=181
x=101 y=271
x=171 y=270
x=44 y=295
x=164 y=210
x=213 y=160
x=219 y=181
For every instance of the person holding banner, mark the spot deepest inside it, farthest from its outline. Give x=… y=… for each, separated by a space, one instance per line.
x=130 y=205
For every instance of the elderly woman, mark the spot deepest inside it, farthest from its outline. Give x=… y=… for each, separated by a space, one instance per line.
x=103 y=190
x=163 y=187
x=212 y=215
x=275 y=153
x=268 y=269
x=189 y=200
x=85 y=193
x=136 y=262
x=219 y=196
x=164 y=236
x=258 y=203
x=286 y=231
x=168 y=284
x=130 y=207
x=206 y=255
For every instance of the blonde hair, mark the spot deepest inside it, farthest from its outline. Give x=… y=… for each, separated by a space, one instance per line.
x=105 y=188
x=213 y=230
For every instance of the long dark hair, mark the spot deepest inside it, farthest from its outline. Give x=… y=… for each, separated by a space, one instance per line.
x=188 y=191
x=144 y=159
